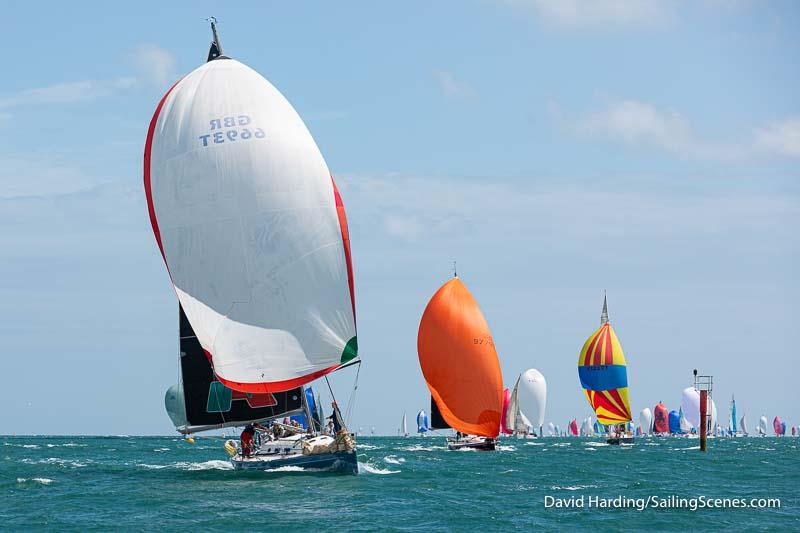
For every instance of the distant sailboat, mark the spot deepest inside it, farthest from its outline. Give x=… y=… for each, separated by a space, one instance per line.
x=732 y=418
x=778 y=427
x=660 y=419
x=422 y=423
x=552 y=430
x=506 y=418
x=604 y=378
x=586 y=427
x=646 y=421
x=459 y=362
x=573 y=427
x=254 y=331
x=743 y=425
x=404 y=426
x=674 y=422
x=527 y=402
x=762 y=426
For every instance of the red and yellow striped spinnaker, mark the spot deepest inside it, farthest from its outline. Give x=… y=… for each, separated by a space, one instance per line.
x=604 y=376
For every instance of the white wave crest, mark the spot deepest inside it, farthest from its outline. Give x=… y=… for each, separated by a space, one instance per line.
x=39 y=480
x=214 y=464
x=289 y=468
x=366 y=468
x=394 y=460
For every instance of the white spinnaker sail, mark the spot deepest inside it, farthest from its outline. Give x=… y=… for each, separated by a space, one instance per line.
x=762 y=425
x=532 y=397
x=404 y=426
x=690 y=404
x=646 y=421
x=251 y=229
x=743 y=425
x=586 y=427
x=551 y=429
x=713 y=413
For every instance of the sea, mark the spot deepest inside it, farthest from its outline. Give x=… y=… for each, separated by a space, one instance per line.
x=404 y=484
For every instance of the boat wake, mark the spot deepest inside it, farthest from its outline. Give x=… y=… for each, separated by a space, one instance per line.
x=366 y=468
x=595 y=444
x=289 y=468
x=394 y=460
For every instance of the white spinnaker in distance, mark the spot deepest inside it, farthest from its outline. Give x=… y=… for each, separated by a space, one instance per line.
x=690 y=403
x=245 y=212
x=646 y=421
x=532 y=398
x=743 y=425
x=762 y=425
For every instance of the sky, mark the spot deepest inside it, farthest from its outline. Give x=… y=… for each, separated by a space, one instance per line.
x=555 y=149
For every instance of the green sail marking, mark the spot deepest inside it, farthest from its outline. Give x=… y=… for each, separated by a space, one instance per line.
x=350 y=351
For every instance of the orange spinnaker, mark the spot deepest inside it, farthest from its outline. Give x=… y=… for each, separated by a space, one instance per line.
x=459 y=361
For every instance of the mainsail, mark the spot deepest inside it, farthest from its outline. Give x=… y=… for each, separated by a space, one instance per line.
x=200 y=402
x=251 y=228
x=734 y=429
x=603 y=374
x=743 y=424
x=459 y=362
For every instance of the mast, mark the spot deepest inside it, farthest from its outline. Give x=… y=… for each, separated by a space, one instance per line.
x=604 y=314
x=215 y=50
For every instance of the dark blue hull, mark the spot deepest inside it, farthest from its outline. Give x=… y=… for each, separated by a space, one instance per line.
x=342 y=462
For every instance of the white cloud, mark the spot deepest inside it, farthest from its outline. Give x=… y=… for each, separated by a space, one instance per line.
x=580 y=13
x=494 y=213
x=781 y=137
x=452 y=87
x=632 y=121
x=69 y=92
x=155 y=64
x=638 y=123
x=32 y=175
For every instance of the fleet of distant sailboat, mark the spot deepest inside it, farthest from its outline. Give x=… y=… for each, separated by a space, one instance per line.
x=254 y=237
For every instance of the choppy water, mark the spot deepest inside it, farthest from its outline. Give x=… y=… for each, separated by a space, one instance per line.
x=410 y=484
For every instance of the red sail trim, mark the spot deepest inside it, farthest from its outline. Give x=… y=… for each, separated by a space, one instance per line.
x=346 y=241
x=148 y=145
x=273 y=386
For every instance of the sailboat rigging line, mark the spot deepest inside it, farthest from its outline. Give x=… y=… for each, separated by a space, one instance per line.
x=352 y=400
